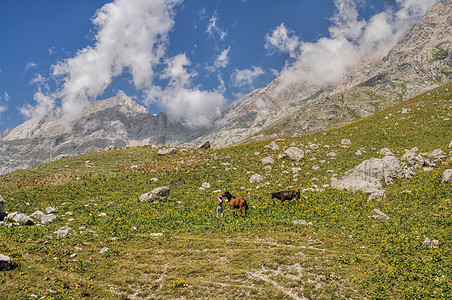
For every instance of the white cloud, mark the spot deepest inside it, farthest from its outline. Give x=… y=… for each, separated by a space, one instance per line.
x=194 y=107
x=246 y=77
x=283 y=40
x=45 y=104
x=328 y=60
x=30 y=65
x=4 y=98
x=213 y=29
x=132 y=37
x=223 y=59
x=38 y=79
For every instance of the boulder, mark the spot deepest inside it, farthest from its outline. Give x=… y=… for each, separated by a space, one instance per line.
x=367 y=176
x=256 y=178
x=5 y=263
x=268 y=161
x=167 y=151
x=22 y=219
x=378 y=214
x=159 y=193
x=272 y=146
x=294 y=153
x=447 y=176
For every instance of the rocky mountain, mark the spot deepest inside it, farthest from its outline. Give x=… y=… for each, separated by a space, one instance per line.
x=117 y=121
x=420 y=61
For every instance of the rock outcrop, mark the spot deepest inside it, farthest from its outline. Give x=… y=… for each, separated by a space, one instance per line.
x=369 y=174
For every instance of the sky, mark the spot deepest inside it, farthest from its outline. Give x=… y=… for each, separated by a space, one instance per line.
x=189 y=58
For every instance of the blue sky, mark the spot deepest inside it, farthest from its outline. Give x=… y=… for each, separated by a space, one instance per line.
x=190 y=58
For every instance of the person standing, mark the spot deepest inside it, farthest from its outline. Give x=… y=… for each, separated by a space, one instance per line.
x=220 y=206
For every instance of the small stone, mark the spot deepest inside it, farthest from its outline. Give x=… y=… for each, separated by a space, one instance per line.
x=272 y=146
x=167 y=151
x=378 y=214
x=156 y=234
x=63 y=231
x=104 y=250
x=346 y=142
x=268 y=161
x=50 y=210
x=5 y=263
x=256 y=178
x=430 y=243
x=447 y=176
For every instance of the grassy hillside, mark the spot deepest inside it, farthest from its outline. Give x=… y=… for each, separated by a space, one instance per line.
x=178 y=249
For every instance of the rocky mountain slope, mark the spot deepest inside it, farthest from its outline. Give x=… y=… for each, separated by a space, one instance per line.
x=420 y=61
x=117 y=121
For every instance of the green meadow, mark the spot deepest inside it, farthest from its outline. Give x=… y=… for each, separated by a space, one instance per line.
x=178 y=249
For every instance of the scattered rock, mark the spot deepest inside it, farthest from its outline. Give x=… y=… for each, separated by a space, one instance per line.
x=268 y=161
x=447 y=176
x=167 y=151
x=430 y=243
x=256 y=178
x=43 y=217
x=156 y=234
x=60 y=157
x=154 y=179
x=159 y=193
x=205 y=185
x=313 y=146
x=110 y=147
x=378 y=214
x=22 y=219
x=437 y=154
x=406 y=110
x=294 y=153
x=5 y=263
x=104 y=250
x=385 y=152
x=450 y=144
x=63 y=231
x=50 y=210
x=413 y=159
x=358 y=152
x=272 y=146
x=302 y=222
x=331 y=154
x=346 y=142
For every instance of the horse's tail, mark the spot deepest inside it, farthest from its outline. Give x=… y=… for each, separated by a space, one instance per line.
x=245 y=206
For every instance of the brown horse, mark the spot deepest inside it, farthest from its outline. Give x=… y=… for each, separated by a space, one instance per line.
x=235 y=202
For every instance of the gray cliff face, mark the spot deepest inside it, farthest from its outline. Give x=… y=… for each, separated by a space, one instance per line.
x=113 y=122
x=420 y=61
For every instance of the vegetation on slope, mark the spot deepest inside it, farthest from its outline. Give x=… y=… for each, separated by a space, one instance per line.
x=177 y=248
